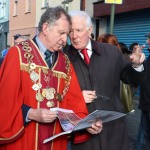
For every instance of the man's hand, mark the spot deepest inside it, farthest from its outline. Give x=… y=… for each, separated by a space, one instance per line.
x=42 y=115
x=89 y=96
x=95 y=128
x=137 y=57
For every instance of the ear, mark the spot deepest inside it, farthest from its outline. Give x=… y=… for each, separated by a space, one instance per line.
x=90 y=30
x=45 y=28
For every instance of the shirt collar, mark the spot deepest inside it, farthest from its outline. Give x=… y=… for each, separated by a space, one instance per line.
x=41 y=46
x=89 y=49
x=89 y=46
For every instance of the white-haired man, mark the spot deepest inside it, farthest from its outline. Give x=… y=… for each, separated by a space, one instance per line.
x=99 y=68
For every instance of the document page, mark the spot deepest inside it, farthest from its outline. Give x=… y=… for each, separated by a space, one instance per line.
x=70 y=122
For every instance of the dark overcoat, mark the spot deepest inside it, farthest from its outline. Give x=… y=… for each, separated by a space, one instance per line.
x=107 y=67
x=144 y=104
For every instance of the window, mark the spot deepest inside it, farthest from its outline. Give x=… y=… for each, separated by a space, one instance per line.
x=2 y=9
x=15 y=7
x=28 y=5
x=44 y=3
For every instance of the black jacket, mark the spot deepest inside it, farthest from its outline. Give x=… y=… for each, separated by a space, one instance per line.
x=145 y=90
x=107 y=67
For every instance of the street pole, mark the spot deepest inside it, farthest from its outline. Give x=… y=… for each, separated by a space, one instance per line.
x=67 y=3
x=112 y=16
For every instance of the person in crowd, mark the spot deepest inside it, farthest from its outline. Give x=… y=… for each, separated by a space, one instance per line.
x=148 y=40
x=125 y=50
x=108 y=38
x=99 y=68
x=134 y=46
x=18 y=38
x=42 y=77
x=144 y=103
x=4 y=52
x=1 y=60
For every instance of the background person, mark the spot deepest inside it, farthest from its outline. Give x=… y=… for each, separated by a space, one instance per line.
x=99 y=72
x=108 y=38
x=133 y=47
x=1 y=60
x=124 y=49
x=18 y=38
x=144 y=105
x=148 y=40
x=4 y=52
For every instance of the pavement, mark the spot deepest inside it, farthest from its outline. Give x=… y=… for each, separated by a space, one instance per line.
x=133 y=121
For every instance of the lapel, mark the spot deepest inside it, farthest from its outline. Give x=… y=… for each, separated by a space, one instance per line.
x=73 y=53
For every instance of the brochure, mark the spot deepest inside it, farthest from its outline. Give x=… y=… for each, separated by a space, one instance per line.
x=70 y=122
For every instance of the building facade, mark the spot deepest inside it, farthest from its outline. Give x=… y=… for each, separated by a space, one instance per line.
x=4 y=24
x=131 y=20
x=24 y=20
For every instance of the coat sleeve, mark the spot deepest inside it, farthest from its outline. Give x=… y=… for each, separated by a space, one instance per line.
x=74 y=98
x=11 y=98
x=75 y=101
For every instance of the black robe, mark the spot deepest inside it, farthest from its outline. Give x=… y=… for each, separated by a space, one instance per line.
x=107 y=67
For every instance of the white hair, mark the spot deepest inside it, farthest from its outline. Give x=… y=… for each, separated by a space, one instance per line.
x=83 y=14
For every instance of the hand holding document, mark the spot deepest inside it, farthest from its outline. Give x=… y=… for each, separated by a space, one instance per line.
x=70 y=122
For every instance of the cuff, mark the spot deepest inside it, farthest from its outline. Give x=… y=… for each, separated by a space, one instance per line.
x=140 y=68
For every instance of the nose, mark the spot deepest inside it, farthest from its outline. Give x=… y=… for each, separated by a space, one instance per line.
x=75 y=34
x=64 y=37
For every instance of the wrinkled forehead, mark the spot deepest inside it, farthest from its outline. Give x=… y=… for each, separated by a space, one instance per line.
x=78 y=22
x=81 y=19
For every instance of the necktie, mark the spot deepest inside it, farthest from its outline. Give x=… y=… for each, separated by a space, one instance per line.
x=86 y=56
x=48 y=55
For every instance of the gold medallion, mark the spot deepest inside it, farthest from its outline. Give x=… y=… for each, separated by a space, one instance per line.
x=27 y=48
x=40 y=85
x=32 y=66
x=35 y=87
x=44 y=92
x=50 y=104
x=50 y=93
x=34 y=76
x=39 y=97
